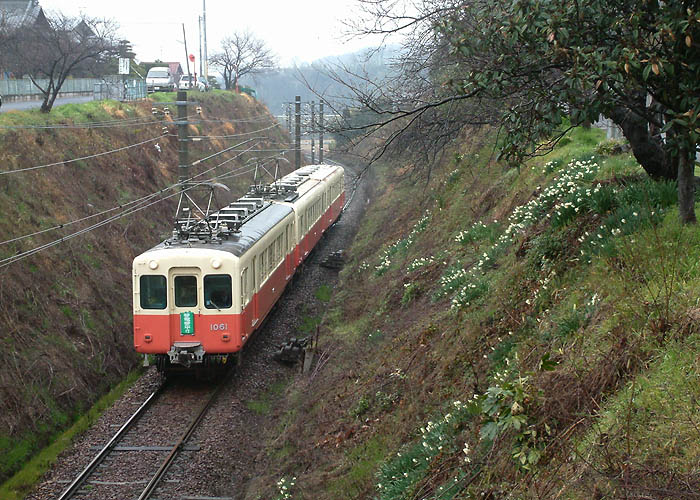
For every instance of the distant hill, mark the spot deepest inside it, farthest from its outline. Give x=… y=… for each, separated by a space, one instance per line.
x=279 y=87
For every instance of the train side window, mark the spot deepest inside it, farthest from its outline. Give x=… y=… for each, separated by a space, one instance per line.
x=153 y=292
x=270 y=257
x=244 y=286
x=254 y=274
x=217 y=291
x=185 y=291
x=263 y=266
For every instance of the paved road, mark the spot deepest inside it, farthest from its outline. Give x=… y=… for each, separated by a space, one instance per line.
x=7 y=106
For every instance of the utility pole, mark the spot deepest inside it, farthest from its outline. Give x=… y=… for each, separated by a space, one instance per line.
x=313 y=131
x=187 y=55
x=183 y=142
x=289 y=118
x=206 y=55
x=320 y=132
x=201 y=64
x=297 y=132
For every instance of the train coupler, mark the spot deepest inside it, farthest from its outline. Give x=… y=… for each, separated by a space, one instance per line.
x=186 y=353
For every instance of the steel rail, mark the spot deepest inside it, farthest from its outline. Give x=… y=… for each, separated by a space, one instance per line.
x=155 y=480
x=78 y=482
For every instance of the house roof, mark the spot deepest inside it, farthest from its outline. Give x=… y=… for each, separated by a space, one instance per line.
x=175 y=68
x=20 y=12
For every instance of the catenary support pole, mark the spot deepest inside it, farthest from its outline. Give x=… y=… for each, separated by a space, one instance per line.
x=183 y=140
x=313 y=131
x=289 y=118
x=297 y=132
x=320 y=132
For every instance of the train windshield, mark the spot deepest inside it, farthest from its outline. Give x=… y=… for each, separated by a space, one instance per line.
x=153 y=292
x=185 y=291
x=217 y=291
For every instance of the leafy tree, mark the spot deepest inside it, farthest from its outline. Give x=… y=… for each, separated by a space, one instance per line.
x=242 y=54
x=60 y=48
x=110 y=66
x=213 y=82
x=537 y=68
x=635 y=62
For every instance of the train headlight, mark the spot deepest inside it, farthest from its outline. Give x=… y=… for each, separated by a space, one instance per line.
x=153 y=265
x=216 y=263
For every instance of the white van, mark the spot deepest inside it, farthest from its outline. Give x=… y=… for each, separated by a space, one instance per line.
x=159 y=78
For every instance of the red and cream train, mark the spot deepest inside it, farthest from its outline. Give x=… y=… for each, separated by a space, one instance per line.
x=199 y=296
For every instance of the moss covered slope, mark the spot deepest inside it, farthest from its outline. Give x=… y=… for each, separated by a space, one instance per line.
x=507 y=334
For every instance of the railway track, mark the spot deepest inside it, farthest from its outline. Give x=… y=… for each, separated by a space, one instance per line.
x=103 y=471
x=218 y=459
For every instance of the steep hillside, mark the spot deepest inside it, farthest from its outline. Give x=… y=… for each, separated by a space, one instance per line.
x=65 y=312
x=504 y=333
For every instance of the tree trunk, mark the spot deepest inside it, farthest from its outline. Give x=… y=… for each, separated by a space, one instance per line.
x=648 y=150
x=49 y=97
x=45 y=107
x=686 y=185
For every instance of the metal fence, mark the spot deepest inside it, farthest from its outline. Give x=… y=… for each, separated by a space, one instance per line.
x=25 y=87
x=106 y=88
x=120 y=90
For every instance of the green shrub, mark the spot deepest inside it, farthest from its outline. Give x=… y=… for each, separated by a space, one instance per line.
x=544 y=249
x=602 y=199
x=612 y=147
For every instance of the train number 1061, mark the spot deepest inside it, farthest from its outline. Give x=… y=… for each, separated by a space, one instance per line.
x=218 y=327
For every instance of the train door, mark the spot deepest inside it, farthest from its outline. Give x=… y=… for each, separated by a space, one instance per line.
x=255 y=270
x=185 y=291
x=287 y=256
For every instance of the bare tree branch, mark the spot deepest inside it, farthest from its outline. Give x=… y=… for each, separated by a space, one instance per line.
x=242 y=54
x=57 y=49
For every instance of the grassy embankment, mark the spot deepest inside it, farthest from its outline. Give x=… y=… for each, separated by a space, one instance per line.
x=65 y=313
x=506 y=334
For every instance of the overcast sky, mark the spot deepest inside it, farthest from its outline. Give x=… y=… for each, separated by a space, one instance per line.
x=297 y=31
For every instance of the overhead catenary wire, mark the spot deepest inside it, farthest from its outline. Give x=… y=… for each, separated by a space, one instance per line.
x=223 y=151
x=133 y=122
x=230 y=136
x=82 y=219
x=23 y=255
x=123 y=205
x=253 y=119
x=96 y=155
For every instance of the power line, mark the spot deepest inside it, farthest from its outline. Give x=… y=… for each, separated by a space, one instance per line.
x=89 y=125
x=123 y=205
x=65 y=162
x=83 y=219
x=214 y=155
x=23 y=255
x=242 y=134
x=260 y=118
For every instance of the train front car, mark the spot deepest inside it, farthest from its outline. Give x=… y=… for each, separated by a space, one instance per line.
x=199 y=296
x=184 y=307
x=197 y=300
